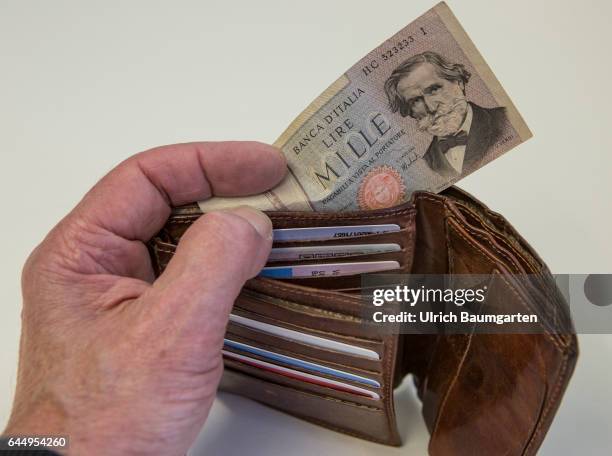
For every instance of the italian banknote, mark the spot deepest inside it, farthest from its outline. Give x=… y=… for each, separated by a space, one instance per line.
x=419 y=112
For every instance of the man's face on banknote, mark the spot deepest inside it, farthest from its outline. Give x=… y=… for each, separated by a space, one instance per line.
x=438 y=105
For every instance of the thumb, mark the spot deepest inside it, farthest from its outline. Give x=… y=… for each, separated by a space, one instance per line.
x=214 y=258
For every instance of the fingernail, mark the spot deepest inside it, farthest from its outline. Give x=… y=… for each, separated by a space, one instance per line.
x=260 y=221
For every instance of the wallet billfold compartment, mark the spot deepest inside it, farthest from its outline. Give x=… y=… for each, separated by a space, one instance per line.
x=481 y=393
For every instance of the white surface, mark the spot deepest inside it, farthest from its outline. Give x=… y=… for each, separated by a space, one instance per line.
x=84 y=84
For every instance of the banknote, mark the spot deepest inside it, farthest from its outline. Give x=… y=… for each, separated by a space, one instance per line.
x=419 y=112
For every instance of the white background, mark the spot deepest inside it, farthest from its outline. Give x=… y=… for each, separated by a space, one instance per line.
x=84 y=84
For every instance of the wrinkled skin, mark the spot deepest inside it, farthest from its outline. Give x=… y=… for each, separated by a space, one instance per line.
x=118 y=361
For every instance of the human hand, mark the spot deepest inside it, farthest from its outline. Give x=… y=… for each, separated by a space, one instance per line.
x=117 y=361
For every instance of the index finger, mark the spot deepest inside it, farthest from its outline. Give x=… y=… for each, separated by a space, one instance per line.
x=134 y=200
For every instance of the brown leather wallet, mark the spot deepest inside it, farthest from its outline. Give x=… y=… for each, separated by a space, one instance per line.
x=488 y=394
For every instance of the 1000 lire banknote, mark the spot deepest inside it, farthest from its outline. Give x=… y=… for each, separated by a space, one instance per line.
x=419 y=112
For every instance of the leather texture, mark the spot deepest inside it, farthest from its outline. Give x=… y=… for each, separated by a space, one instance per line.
x=493 y=394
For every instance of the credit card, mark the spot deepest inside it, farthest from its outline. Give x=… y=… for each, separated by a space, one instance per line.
x=323 y=233
x=302 y=376
x=300 y=364
x=327 y=269
x=304 y=338
x=321 y=252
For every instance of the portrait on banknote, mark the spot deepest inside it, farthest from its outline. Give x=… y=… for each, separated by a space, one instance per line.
x=430 y=90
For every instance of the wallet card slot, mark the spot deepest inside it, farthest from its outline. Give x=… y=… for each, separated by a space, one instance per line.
x=395 y=237
x=341 y=282
x=330 y=324
x=401 y=215
x=310 y=388
x=305 y=338
x=325 y=338
x=388 y=256
x=351 y=364
x=338 y=283
x=283 y=292
x=367 y=381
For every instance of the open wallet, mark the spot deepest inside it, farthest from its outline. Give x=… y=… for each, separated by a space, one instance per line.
x=493 y=394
